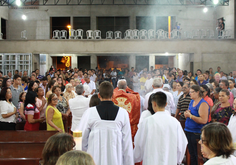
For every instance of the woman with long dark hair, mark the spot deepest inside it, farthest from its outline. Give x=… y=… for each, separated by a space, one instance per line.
x=7 y=110
x=32 y=114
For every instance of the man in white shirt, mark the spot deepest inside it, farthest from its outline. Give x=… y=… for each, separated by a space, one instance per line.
x=157 y=87
x=90 y=83
x=44 y=83
x=160 y=138
x=148 y=83
x=113 y=78
x=78 y=106
x=106 y=131
x=93 y=76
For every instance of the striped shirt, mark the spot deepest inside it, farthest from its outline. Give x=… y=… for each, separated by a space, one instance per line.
x=183 y=104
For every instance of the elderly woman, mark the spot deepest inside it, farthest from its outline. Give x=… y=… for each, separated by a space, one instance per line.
x=216 y=144
x=53 y=115
x=196 y=118
x=75 y=157
x=69 y=93
x=55 y=146
x=62 y=104
x=224 y=110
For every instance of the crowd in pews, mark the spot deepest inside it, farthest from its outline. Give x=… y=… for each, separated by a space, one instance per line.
x=126 y=117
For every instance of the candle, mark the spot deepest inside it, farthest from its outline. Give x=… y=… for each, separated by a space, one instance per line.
x=78 y=140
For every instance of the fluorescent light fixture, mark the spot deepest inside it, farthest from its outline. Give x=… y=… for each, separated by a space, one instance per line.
x=166 y=53
x=18 y=2
x=24 y=17
x=215 y=2
x=205 y=10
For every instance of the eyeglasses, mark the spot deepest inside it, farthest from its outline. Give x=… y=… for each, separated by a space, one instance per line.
x=201 y=140
x=55 y=99
x=185 y=88
x=192 y=91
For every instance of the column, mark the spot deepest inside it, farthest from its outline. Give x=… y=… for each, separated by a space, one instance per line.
x=151 y=61
x=93 y=61
x=71 y=22
x=132 y=61
x=73 y=61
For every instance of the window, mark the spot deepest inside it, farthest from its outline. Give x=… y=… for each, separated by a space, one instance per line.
x=60 y=23
x=112 y=24
x=82 y=23
x=144 y=23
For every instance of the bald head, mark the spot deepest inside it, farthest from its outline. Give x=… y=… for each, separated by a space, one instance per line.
x=122 y=84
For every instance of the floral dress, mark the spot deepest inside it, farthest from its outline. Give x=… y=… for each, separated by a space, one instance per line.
x=222 y=114
x=62 y=105
x=19 y=118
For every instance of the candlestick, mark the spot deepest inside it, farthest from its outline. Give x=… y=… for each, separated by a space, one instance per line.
x=78 y=140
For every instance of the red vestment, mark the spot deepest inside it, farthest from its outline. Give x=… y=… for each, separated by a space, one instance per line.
x=130 y=101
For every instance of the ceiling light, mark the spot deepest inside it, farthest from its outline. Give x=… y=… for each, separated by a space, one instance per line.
x=166 y=53
x=24 y=17
x=205 y=9
x=18 y=2
x=215 y=2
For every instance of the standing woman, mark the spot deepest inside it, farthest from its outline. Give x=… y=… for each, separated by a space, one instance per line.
x=62 y=104
x=7 y=110
x=60 y=83
x=49 y=87
x=224 y=109
x=177 y=94
x=32 y=114
x=196 y=118
x=69 y=93
x=32 y=86
x=53 y=115
x=20 y=108
x=6 y=82
x=206 y=93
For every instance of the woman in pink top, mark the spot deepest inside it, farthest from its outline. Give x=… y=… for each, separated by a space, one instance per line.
x=41 y=102
x=206 y=93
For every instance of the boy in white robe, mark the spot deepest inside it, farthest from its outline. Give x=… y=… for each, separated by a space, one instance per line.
x=107 y=134
x=160 y=139
x=232 y=126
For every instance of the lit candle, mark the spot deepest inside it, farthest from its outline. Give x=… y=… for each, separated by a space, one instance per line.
x=78 y=140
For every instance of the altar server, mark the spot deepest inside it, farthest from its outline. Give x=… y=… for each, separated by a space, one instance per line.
x=107 y=134
x=160 y=138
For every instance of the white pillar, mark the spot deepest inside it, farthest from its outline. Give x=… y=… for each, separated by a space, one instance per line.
x=132 y=61
x=151 y=61
x=93 y=61
x=73 y=61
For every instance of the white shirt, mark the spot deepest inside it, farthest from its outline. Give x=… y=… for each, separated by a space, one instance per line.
x=92 y=85
x=93 y=77
x=219 y=160
x=160 y=140
x=148 y=84
x=109 y=142
x=39 y=104
x=170 y=100
x=6 y=108
x=78 y=106
x=176 y=99
x=232 y=128
x=145 y=114
x=113 y=74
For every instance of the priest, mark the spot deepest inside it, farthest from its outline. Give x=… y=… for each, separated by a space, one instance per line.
x=107 y=135
x=126 y=98
x=160 y=138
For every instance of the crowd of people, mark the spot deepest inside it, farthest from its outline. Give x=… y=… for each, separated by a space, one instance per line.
x=159 y=111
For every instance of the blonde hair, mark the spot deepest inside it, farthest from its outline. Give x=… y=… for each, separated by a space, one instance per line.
x=75 y=157
x=217 y=74
x=77 y=80
x=67 y=85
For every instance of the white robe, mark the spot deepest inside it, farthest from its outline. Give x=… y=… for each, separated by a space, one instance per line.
x=160 y=140
x=109 y=142
x=232 y=128
x=219 y=160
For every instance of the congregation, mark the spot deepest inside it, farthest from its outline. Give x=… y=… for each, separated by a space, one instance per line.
x=147 y=116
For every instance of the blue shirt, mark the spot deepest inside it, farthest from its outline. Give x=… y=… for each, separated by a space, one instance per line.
x=191 y=125
x=203 y=83
x=180 y=79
